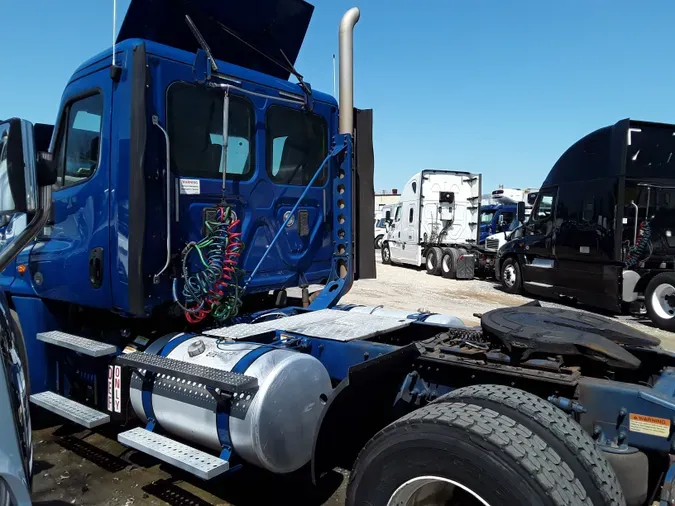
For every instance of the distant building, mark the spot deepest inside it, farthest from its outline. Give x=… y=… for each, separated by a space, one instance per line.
x=385 y=197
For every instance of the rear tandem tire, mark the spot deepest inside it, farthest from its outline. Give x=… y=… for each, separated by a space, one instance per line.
x=473 y=455
x=660 y=301
x=449 y=263
x=433 y=260
x=566 y=437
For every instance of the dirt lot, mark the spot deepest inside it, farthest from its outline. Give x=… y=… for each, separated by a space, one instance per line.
x=81 y=467
x=412 y=289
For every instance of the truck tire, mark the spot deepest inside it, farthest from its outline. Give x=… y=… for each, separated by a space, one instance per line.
x=21 y=348
x=378 y=241
x=433 y=262
x=512 y=277
x=566 y=437
x=386 y=254
x=449 y=263
x=660 y=300
x=474 y=455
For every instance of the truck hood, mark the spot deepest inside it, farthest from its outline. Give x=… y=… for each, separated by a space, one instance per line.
x=271 y=26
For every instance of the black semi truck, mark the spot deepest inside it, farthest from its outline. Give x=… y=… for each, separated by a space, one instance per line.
x=602 y=229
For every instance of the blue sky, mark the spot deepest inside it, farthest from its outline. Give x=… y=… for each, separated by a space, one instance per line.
x=491 y=86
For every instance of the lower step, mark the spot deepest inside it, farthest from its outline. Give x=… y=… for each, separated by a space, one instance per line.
x=196 y=462
x=69 y=409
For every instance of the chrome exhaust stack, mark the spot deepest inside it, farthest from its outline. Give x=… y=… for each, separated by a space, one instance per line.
x=346 y=43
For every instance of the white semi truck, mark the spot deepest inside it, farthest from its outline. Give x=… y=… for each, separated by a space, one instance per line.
x=436 y=224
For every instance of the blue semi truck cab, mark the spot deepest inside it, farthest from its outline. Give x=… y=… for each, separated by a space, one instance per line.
x=185 y=185
x=495 y=218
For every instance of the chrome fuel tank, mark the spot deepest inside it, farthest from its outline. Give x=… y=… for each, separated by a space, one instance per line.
x=278 y=429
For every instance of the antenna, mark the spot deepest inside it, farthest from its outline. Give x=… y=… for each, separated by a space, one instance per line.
x=334 y=82
x=113 y=30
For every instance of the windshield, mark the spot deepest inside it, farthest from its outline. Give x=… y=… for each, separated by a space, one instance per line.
x=380 y=223
x=486 y=217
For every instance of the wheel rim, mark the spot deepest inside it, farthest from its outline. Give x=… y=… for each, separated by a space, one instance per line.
x=378 y=242
x=385 y=253
x=446 y=264
x=661 y=302
x=509 y=275
x=430 y=261
x=434 y=490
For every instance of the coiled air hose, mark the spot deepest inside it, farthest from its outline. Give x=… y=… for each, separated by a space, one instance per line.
x=637 y=252
x=214 y=290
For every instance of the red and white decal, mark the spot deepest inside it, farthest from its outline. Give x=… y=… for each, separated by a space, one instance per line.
x=110 y=388
x=118 y=389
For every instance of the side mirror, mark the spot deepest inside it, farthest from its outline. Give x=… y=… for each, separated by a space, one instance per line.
x=18 y=172
x=521 y=212
x=25 y=184
x=387 y=216
x=500 y=220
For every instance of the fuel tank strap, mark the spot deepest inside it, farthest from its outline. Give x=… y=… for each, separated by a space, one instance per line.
x=223 y=416
x=161 y=347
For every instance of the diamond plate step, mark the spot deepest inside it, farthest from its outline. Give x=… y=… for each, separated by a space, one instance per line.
x=69 y=409
x=325 y=324
x=77 y=343
x=196 y=462
x=217 y=378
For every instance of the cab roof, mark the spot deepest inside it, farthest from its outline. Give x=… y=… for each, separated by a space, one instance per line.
x=104 y=59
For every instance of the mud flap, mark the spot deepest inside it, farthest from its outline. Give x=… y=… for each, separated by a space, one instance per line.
x=358 y=407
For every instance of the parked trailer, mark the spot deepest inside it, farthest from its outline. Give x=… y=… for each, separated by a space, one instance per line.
x=538 y=406
x=614 y=252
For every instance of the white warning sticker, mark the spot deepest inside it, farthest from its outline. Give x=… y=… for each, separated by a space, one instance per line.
x=649 y=425
x=189 y=186
x=118 y=389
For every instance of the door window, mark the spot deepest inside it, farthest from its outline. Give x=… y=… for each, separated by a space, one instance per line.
x=80 y=147
x=410 y=215
x=541 y=219
x=544 y=209
x=398 y=214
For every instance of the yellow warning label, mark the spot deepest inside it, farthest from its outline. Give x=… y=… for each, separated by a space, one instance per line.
x=649 y=425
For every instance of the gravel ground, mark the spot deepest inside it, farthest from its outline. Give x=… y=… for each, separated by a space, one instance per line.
x=81 y=467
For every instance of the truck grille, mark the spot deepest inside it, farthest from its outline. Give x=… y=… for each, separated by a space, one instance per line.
x=492 y=244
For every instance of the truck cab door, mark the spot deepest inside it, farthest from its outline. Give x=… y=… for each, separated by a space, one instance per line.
x=70 y=259
x=539 y=242
x=395 y=239
x=411 y=225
